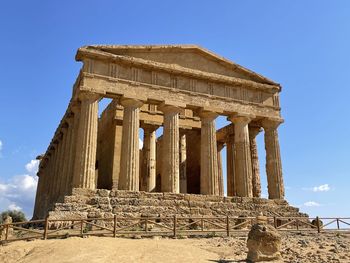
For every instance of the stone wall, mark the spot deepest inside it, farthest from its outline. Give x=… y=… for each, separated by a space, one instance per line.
x=85 y=203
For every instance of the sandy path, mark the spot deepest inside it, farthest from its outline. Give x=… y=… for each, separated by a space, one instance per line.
x=97 y=249
x=310 y=248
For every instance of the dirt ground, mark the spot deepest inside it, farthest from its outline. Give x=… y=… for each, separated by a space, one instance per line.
x=295 y=248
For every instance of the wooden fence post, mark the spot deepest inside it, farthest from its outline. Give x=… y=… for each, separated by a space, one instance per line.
x=81 y=228
x=202 y=224
x=175 y=221
x=146 y=224
x=46 y=227
x=115 y=226
x=338 y=223
x=227 y=226
x=318 y=224
x=7 y=232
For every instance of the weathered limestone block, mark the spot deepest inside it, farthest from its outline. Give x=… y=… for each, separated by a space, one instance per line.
x=83 y=192
x=81 y=199
x=173 y=196
x=103 y=192
x=264 y=243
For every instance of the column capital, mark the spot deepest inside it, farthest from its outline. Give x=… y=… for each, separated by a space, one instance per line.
x=149 y=127
x=129 y=102
x=169 y=108
x=241 y=119
x=254 y=130
x=220 y=145
x=89 y=96
x=271 y=124
x=75 y=106
x=205 y=114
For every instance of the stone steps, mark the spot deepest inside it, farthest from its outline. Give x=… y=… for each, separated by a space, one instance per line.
x=86 y=203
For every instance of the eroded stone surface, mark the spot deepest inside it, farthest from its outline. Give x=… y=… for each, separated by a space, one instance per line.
x=264 y=243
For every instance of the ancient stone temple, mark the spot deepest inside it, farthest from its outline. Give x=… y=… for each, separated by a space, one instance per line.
x=181 y=88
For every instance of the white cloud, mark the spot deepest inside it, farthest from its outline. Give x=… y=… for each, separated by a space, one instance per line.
x=14 y=207
x=311 y=204
x=32 y=166
x=140 y=144
x=18 y=193
x=321 y=188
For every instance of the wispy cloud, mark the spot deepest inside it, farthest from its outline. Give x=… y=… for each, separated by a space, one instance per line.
x=311 y=204
x=32 y=167
x=14 y=207
x=319 y=188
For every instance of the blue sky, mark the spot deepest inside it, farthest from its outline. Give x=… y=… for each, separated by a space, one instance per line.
x=304 y=45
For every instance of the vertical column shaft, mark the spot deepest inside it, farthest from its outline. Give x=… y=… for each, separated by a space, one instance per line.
x=273 y=160
x=170 y=147
x=256 y=183
x=230 y=163
x=209 y=183
x=183 y=164
x=85 y=158
x=129 y=162
x=149 y=159
x=74 y=125
x=220 y=146
x=243 y=165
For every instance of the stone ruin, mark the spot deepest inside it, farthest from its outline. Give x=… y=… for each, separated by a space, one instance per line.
x=94 y=166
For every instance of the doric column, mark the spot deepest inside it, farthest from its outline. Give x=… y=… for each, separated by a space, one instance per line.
x=243 y=165
x=66 y=157
x=54 y=192
x=61 y=163
x=220 y=146
x=148 y=182
x=39 y=194
x=253 y=132
x=183 y=164
x=50 y=174
x=170 y=147
x=86 y=143
x=74 y=125
x=129 y=162
x=230 y=166
x=273 y=160
x=209 y=181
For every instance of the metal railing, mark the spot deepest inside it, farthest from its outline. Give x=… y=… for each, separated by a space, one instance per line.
x=162 y=226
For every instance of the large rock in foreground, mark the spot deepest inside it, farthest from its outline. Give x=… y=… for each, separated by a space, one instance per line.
x=264 y=243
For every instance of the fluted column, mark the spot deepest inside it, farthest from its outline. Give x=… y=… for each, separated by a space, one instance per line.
x=243 y=165
x=220 y=146
x=148 y=182
x=209 y=181
x=256 y=184
x=230 y=166
x=130 y=162
x=183 y=164
x=170 y=147
x=273 y=160
x=74 y=125
x=61 y=163
x=86 y=143
x=57 y=167
x=67 y=156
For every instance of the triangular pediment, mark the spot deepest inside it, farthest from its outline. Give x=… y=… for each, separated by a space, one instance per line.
x=187 y=56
